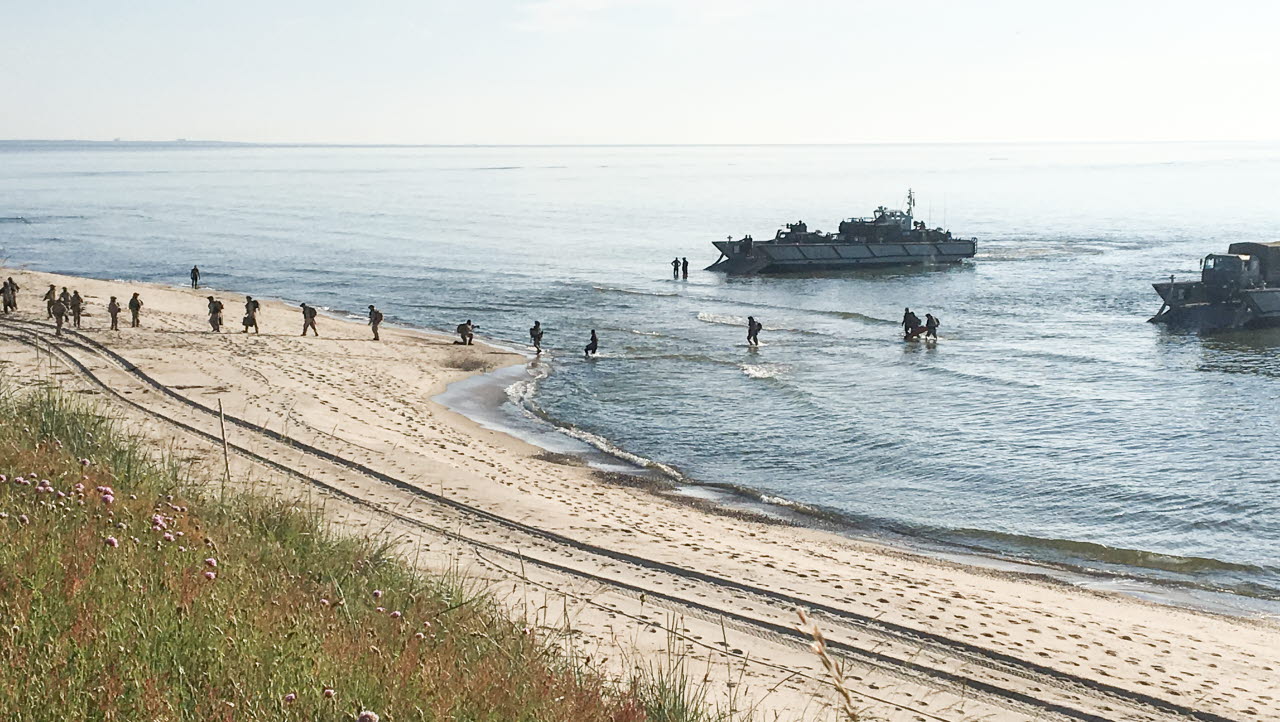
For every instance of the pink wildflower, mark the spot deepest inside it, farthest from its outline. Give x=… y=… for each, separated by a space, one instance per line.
x=396 y=614
x=419 y=636
x=324 y=602
x=211 y=562
x=111 y=542
x=84 y=462
x=22 y=519
x=379 y=610
x=167 y=536
x=210 y=576
x=289 y=698
x=367 y=716
x=328 y=692
x=108 y=499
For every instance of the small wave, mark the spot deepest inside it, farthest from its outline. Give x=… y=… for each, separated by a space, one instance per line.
x=764 y=371
x=631 y=292
x=603 y=444
x=722 y=319
x=1109 y=555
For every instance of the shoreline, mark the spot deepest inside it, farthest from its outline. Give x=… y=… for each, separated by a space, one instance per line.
x=633 y=558
x=488 y=400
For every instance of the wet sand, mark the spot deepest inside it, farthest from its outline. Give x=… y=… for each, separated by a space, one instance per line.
x=629 y=578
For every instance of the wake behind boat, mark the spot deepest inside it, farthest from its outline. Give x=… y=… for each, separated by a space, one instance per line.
x=888 y=238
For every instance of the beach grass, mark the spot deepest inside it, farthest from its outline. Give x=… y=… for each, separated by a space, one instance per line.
x=127 y=593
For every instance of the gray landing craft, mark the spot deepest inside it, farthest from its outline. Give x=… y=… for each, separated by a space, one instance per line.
x=1237 y=289
x=889 y=238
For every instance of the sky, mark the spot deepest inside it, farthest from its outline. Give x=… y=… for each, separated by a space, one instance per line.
x=639 y=71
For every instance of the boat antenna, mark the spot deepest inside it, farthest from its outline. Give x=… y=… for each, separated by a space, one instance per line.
x=911 y=202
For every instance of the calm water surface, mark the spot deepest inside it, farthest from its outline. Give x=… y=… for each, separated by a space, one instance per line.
x=1051 y=421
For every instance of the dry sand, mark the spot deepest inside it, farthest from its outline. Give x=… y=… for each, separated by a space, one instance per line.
x=623 y=577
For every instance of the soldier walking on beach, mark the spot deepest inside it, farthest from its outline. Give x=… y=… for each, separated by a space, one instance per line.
x=684 y=268
x=309 y=320
x=59 y=311
x=215 y=314
x=753 y=331
x=195 y=277
x=466 y=331
x=113 y=310
x=65 y=297
x=9 y=294
x=135 y=308
x=535 y=335
x=592 y=346
x=675 y=268
x=77 y=307
x=13 y=293
x=49 y=297
x=250 y=314
x=375 y=320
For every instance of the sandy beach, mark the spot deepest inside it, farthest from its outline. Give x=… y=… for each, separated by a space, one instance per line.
x=628 y=577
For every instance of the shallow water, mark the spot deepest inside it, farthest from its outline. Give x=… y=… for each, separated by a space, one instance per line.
x=1050 y=421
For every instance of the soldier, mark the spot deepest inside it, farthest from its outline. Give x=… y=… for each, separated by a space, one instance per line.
x=135 y=307
x=375 y=320
x=309 y=320
x=684 y=268
x=250 y=314
x=535 y=335
x=7 y=294
x=77 y=307
x=65 y=297
x=113 y=310
x=13 y=293
x=215 y=314
x=675 y=268
x=753 y=331
x=195 y=277
x=467 y=332
x=49 y=297
x=592 y=345
x=59 y=311
x=931 y=324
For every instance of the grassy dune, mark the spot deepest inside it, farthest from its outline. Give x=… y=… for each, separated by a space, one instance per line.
x=126 y=594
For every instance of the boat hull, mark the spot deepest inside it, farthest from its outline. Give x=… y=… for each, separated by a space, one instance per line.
x=1192 y=307
x=741 y=259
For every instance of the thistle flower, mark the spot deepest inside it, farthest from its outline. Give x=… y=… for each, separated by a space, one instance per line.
x=419 y=636
x=167 y=537
x=379 y=610
x=211 y=562
x=210 y=576
x=324 y=602
x=289 y=698
x=22 y=519
x=396 y=614
x=328 y=692
x=111 y=542
x=108 y=499
x=367 y=716
x=377 y=594
x=84 y=462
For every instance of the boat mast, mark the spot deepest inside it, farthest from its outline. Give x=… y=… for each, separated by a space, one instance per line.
x=911 y=204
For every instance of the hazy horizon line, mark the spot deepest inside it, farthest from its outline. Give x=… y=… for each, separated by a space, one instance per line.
x=290 y=144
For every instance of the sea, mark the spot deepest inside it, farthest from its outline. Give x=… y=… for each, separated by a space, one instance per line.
x=1050 y=427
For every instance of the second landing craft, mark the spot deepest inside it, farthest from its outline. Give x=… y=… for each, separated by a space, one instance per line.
x=889 y=238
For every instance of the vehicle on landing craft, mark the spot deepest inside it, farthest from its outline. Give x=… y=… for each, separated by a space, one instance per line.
x=1237 y=289
x=888 y=238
